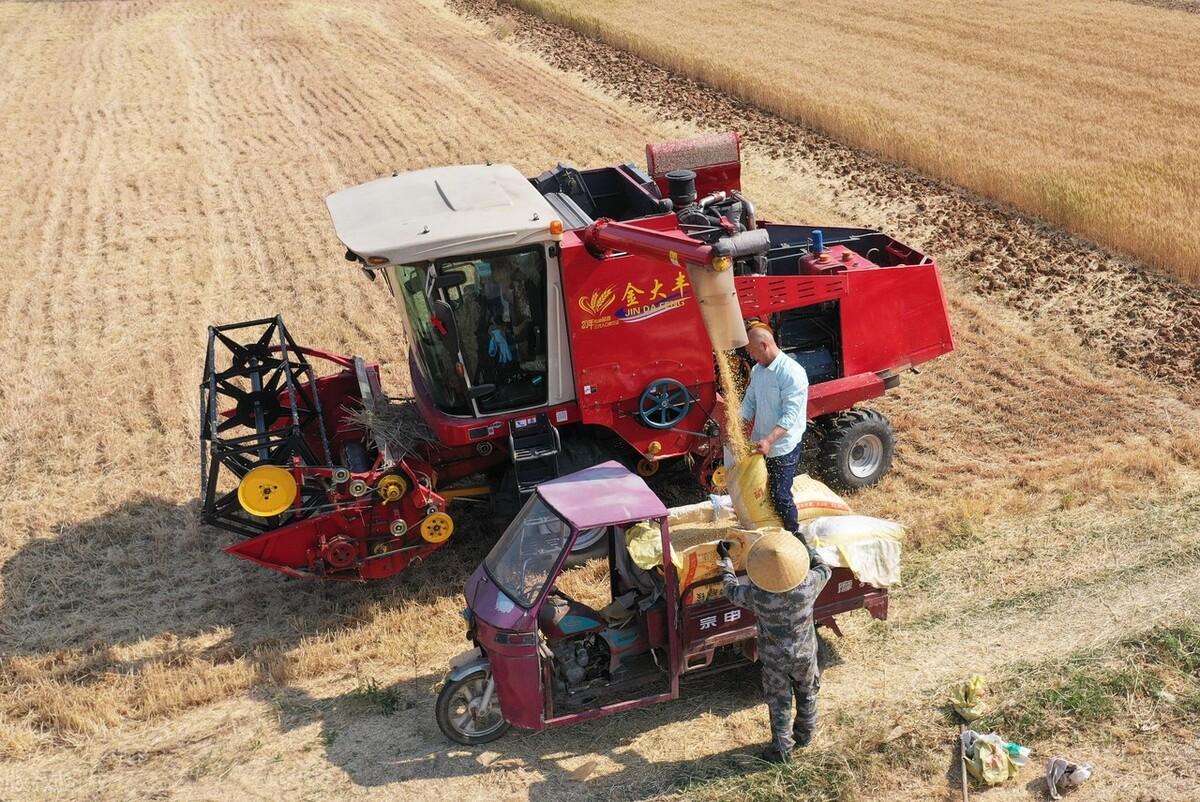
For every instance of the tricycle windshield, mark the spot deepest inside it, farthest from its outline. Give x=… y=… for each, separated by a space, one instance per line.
x=521 y=562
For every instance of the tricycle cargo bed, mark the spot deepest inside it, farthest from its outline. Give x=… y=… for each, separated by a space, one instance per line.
x=711 y=621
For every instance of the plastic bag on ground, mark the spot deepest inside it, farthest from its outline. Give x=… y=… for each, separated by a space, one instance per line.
x=967 y=698
x=987 y=758
x=870 y=547
x=1062 y=773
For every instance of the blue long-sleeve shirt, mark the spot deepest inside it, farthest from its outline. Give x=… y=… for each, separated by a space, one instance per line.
x=777 y=396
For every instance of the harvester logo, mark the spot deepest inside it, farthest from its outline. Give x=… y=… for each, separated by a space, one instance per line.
x=598 y=301
x=643 y=304
x=596 y=305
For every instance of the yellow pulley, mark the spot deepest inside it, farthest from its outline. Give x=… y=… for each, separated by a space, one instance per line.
x=267 y=490
x=720 y=477
x=437 y=528
x=647 y=467
x=392 y=488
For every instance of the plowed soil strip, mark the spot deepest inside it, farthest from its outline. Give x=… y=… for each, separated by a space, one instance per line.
x=1141 y=318
x=1190 y=6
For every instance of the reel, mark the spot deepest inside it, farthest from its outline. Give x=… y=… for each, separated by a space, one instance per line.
x=259 y=418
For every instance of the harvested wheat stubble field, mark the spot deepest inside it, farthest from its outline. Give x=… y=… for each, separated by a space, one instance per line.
x=1084 y=113
x=163 y=169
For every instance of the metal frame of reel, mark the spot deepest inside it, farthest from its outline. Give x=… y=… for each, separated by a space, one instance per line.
x=270 y=363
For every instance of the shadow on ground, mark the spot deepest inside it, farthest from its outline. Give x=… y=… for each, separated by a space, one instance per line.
x=389 y=735
x=380 y=736
x=148 y=569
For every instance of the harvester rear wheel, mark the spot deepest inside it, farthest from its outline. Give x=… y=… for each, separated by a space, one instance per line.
x=855 y=448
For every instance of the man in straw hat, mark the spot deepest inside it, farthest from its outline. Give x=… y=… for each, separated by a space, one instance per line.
x=776 y=407
x=786 y=576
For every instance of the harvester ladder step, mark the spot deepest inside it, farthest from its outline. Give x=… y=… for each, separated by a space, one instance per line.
x=534 y=447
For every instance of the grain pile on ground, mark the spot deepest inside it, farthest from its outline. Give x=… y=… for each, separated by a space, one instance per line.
x=1082 y=113
x=176 y=180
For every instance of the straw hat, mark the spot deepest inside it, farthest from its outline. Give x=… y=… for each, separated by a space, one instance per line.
x=777 y=562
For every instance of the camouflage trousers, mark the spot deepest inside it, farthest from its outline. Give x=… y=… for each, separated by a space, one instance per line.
x=783 y=677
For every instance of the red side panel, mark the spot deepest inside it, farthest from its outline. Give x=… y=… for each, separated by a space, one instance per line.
x=760 y=296
x=633 y=320
x=844 y=593
x=893 y=318
x=839 y=394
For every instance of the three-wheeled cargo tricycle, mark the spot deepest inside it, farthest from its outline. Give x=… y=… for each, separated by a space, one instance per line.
x=542 y=659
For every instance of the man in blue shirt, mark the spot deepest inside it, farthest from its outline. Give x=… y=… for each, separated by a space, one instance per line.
x=776 y=402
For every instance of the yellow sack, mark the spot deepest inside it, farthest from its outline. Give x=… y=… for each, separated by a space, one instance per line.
x=870 y=547
x=695 y=552
x=644 y=542
x=966 y=697
x=813 y=499
x=748 y=492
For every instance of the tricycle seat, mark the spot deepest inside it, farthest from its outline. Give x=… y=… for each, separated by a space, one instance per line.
x=561 y=617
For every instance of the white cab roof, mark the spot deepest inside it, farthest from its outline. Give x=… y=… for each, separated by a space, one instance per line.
x=439 y=212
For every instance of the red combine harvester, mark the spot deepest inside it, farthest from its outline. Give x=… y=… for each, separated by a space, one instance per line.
x=553 y=323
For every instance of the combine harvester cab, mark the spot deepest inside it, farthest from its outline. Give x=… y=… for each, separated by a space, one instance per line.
x=553 y=323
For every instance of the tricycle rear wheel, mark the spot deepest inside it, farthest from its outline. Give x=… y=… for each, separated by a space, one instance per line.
x=458 y=713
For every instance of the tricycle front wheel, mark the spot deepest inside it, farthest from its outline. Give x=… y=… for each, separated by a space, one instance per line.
x=461 y=714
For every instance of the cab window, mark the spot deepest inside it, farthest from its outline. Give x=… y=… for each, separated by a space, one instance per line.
x=500 y=308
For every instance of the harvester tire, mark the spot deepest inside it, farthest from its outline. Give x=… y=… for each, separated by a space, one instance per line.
x=854 y=448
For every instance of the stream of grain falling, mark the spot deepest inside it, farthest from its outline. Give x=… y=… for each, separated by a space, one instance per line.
x=731 y=390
